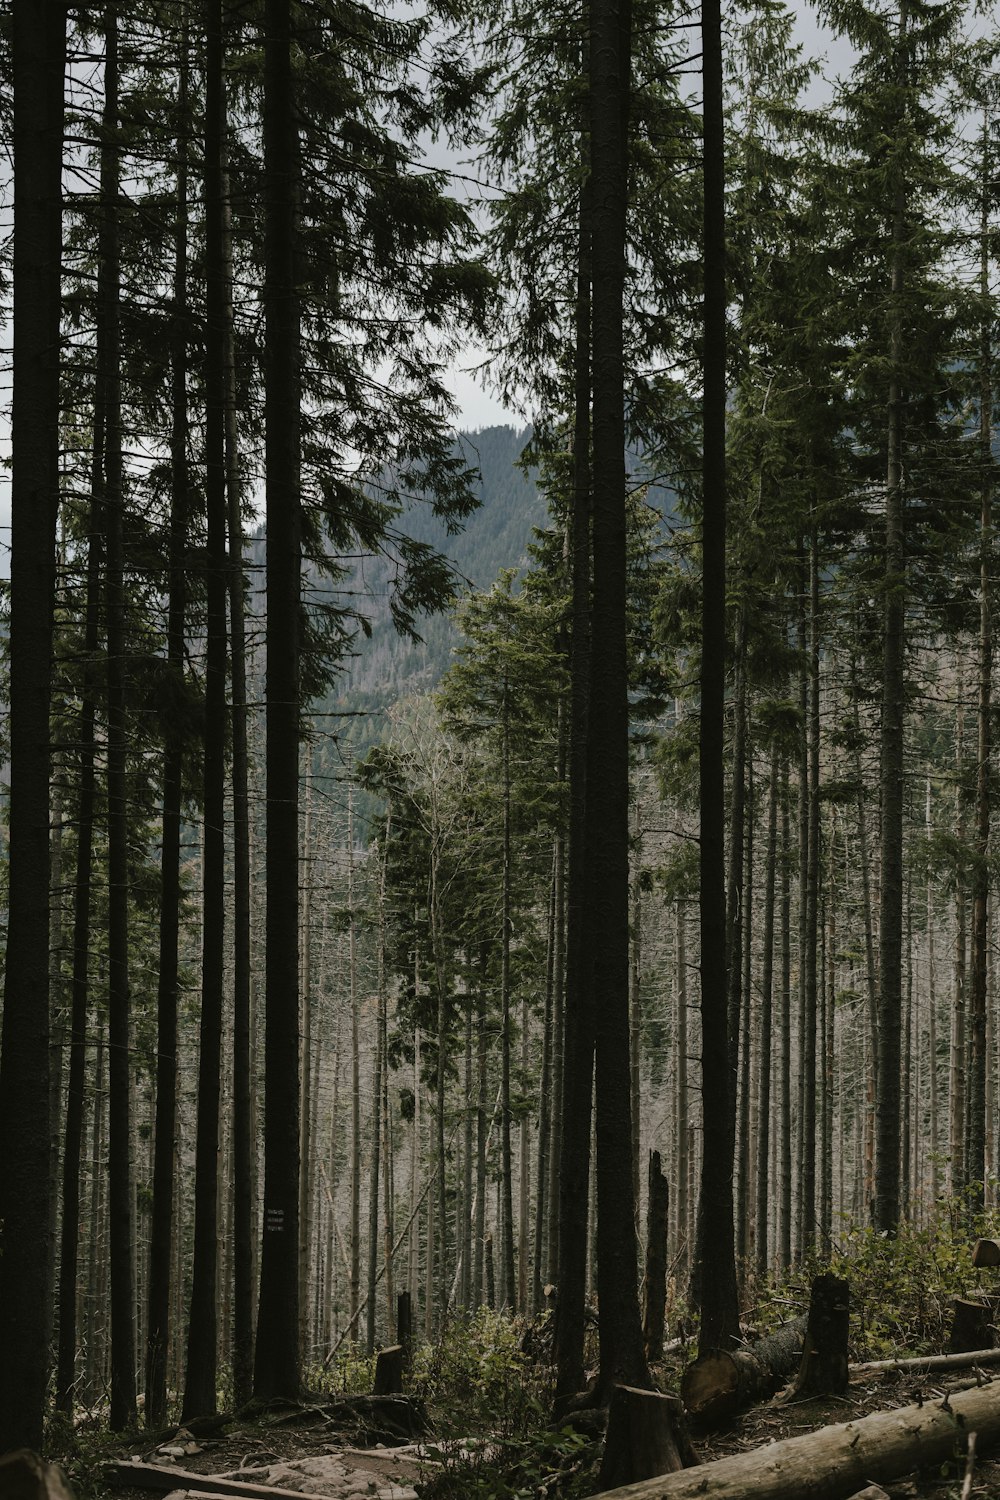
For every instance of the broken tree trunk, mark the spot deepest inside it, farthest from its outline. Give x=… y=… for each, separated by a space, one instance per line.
x=823 y=1369
x=655 y=1298
x=718 y=1385
x=647 y=1435
x=25 y=1476
x=927 y=1362
x=973 y=1324
x=834 y=1463
x=389 y=1372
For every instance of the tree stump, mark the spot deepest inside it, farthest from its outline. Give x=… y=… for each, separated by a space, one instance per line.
x=389 y=1372
x=823 y=1370
x=718 y=1385
x=25 y=1476
x=655 y=1296
x=972 y=1325
x=986 y=1253
x=647 y=1436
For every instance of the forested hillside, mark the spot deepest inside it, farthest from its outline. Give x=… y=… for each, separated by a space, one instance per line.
x=474 y=895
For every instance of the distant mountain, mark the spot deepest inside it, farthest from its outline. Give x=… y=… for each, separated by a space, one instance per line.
x=387 y=667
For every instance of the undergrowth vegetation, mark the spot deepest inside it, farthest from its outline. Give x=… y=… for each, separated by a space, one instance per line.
x=487 y=1381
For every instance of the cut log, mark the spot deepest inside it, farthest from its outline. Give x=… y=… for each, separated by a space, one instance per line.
x=928 y=1362
x=718 y=1385
x=835 y=1462
x=973 y=1325
x=823 y=1369
x=26 y=1476
x=389 y=1372
x=655 y=1296
x=647 y=1435
x=871 y=1492
x=986 y=1253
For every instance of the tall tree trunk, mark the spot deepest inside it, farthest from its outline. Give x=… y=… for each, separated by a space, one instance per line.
x=763 y=1141
x=957 y=1060
x=812 y=882
x=244 y=1135
x=891 y=769
x=976 y=1164
x=276 y=1364
x=39 y=48
x=355 y=1286
x=120 y=1187
x=508 y=1293
x=622 y=1355
x=719 y=1307
x=578 y=1049
x=310 y=1051
x=202 y=1347
x=482 y=1127
x=164 y=1146
x=785 y=1034
x=681 y=1113
x=82 y=891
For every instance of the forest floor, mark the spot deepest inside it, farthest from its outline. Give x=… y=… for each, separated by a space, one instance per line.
x=299 y=1451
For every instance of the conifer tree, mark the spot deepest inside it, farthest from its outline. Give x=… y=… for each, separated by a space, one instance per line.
x=39 y=51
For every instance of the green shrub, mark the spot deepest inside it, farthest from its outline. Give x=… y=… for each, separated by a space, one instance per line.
x=477 y=1379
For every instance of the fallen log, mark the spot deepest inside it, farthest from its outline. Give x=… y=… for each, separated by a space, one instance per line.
x=921 y=1362
x=165 y=1480
x=720 y=1384
x=834 y=1463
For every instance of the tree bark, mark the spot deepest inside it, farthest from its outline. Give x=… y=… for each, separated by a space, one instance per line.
x=975 y=1173
x=578 y=1065
x=719 y=1308
x=763 y=1142
x=891 y=772
x=39 y=49
x=607 y=884
x=164 y=1145
x=655 y=1300
x=276 y=1366
x=202 y=1347
x=720 y=1383
x=120 y=1186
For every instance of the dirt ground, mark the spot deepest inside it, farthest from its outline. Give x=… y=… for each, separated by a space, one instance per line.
x=301 y=1451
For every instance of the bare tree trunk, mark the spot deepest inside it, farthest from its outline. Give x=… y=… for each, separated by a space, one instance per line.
x=785 y=1033
x=277 y=1355
x=161 y=1229
x=891 y=771
x=976 y=1164
x=202 y=1349
x=763 y=1139
x=719 y=1306
x=120 y=1188
x=681 y=1116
